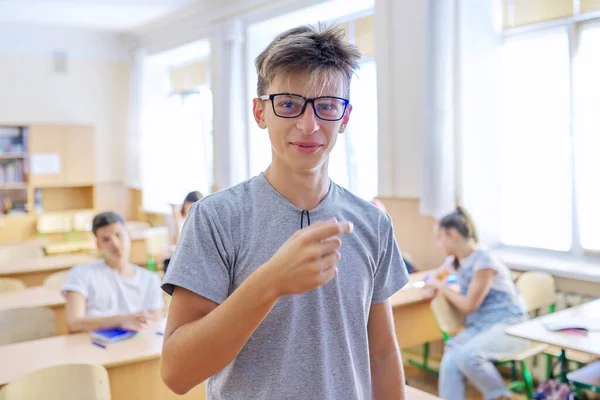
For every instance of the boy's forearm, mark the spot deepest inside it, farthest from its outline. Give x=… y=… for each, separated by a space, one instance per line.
x=387 y=376
x=198 y=350
x=86 y=324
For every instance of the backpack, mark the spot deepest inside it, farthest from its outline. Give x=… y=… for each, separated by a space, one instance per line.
x=554 y=390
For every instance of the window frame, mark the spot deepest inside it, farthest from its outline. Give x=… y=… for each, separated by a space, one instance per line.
x=573 y=26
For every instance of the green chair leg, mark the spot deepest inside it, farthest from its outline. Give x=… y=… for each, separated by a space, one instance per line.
x=424 y=365
x=529 y=388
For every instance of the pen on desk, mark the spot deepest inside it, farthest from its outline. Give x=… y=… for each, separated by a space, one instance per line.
x=98 y=344
x=160 y=333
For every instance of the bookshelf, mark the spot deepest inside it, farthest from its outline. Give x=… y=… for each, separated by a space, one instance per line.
x=45 y=168
x=13 y=169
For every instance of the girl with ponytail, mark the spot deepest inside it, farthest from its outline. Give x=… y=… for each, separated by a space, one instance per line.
x=490 y=302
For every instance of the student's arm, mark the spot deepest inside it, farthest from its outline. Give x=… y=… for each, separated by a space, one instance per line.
x=478 y=289
x=387 y=373
x=77 y=321
x=203 y=337
x=178 y=220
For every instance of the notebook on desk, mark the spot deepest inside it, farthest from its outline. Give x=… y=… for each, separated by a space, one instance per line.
x=570 y=325
x=112 y=335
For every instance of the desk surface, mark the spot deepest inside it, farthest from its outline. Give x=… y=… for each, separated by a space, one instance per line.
x=48 y=263
x=536 y=331
x=37 y=296
x=416 y=394
x=29 y=356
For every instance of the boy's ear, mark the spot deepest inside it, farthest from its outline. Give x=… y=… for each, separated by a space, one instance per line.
x=259 y=113
x=345 y=119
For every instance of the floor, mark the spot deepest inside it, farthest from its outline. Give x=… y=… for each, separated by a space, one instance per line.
x=428 y=383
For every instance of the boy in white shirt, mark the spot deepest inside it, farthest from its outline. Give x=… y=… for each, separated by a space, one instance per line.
x=111 y=292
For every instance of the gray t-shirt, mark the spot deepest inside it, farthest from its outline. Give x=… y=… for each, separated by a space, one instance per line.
x=503 y=302
x=313 y=345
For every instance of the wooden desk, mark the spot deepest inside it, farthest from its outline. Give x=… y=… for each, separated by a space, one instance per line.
x=33 y=272
x=38 y=296
x=133 y=365
x=75 y=246
x=413 y=319
x=416 y=394
x=536 y=331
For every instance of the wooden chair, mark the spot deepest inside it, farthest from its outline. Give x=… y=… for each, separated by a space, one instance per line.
x=134 y=226
x=58 y=222
x=23 y=324
x=56 y=280
x=538 y=289
x=11 y=285
x=61 y=382
x=451 y=321
x=82 y=222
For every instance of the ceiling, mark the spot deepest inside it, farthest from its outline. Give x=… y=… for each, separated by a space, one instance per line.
x=112 y=15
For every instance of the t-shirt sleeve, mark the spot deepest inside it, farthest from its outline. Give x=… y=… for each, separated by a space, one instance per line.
x=203 y=256
x=75 y=281
x=154 y=298
x=391 y=274
x=486 y=261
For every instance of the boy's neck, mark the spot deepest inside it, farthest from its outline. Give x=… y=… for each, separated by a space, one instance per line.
x=304 y=189
x=123 y=268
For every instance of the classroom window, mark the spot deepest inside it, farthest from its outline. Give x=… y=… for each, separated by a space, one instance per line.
x=535 y=153
x=550 y=99
x=182 y=151
x=587 y=135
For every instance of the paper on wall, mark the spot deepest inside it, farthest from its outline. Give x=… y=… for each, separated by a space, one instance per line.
x=45 y=164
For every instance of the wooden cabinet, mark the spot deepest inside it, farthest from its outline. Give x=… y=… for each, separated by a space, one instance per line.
x=81 y=162
x=47 y=150
x=62 y=156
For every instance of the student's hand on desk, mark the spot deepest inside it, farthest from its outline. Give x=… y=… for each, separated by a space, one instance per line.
x=308 y=259
x=136 y=322
x=429 y=293
x=435 y=283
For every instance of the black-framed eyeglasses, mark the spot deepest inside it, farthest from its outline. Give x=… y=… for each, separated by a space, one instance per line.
x=289 y=105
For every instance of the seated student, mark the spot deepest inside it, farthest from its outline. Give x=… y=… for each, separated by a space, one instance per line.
x=490 y=301
x=179 y=215
x=112 y=292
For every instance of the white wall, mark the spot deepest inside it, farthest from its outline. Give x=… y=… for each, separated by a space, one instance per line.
x=93 y=91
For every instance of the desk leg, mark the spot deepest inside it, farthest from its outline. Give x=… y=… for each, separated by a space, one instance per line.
x=141 y=381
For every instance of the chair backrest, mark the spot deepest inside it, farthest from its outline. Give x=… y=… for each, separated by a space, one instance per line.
x=19 y=252
x=132 y=226
x=11 y=285
x=59 y=222
x=61 y=382
x=157 y=240
x=24 y=324
x=538 y=289
x=449 y=319
x=56 y=280
x=82 y=220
